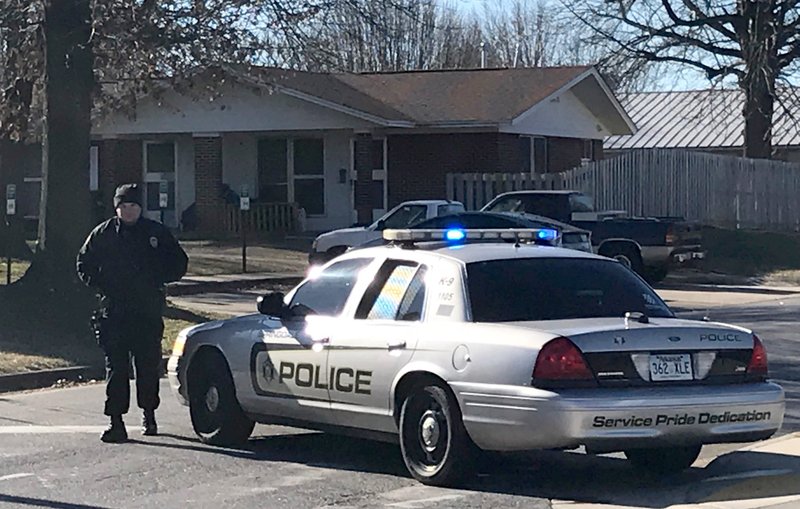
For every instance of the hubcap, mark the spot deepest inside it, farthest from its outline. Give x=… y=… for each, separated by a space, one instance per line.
x=429 y=431
x=212 y=399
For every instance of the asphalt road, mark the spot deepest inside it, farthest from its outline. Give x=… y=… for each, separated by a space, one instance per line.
x=50 y=456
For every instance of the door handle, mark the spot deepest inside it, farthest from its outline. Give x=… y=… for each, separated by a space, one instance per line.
x=319 y=344
x=395 y=344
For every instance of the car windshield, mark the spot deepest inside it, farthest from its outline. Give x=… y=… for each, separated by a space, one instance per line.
x=405 y=216
x=532 y=289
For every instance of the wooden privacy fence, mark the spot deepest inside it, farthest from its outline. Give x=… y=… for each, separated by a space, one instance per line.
x=713 y=189
x=261 y=218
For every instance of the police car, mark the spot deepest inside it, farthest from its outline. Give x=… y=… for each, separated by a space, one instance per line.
x=452 y=347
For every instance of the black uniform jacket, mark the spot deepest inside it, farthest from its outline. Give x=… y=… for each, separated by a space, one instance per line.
x=129 y=265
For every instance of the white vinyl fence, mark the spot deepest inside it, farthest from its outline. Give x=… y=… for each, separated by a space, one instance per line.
x=713 y=189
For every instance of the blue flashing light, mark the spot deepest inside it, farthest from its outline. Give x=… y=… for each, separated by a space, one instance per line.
x=547 y=234
x=455 y=234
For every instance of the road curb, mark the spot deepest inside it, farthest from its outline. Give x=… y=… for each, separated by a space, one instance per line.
x=48 y=377
x=45 y=378
x=717 y=288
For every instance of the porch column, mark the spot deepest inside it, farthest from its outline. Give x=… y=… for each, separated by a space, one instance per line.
x=363 y=194
x=208 y=182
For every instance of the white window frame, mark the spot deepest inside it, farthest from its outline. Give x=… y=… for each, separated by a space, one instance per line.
x=151 y=177
x=534 y=169
x=292 y=177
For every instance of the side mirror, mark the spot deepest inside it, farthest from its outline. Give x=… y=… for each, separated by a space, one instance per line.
x=271 y=304
x=380 y=225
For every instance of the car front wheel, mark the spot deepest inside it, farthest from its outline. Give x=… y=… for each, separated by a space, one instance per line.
x=435 y=446
x=664 y=460
x=216 y=415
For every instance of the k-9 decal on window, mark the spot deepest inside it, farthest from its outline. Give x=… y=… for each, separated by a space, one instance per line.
x=398 y=293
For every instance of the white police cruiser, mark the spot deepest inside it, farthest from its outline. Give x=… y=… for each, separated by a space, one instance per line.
x=452 y=347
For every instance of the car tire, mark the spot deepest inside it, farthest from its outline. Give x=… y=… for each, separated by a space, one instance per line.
x=335 y=251
x=433 y=441
x=664 y=460
x=628 y=256
x=654 y=275
x=216 y=415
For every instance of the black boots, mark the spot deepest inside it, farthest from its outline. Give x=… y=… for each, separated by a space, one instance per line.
x=149 y=425
x=115 y=433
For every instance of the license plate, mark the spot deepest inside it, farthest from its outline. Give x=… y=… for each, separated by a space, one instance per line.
x=668 y=367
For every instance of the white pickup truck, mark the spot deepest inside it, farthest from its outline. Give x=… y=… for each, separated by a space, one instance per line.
x=331 y=244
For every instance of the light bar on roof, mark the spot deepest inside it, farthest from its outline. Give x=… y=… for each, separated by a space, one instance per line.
x=456 y=235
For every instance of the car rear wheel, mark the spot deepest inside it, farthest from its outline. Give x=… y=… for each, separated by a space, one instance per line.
x=655 y=275
x=216 y=415
x=436 y=448
x=335 y=251
x=627 y=256
x=664 y=460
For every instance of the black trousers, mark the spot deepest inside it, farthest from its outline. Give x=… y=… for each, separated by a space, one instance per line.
x=138 y=337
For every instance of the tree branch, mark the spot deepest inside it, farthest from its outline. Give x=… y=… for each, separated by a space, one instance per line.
x=669 y=33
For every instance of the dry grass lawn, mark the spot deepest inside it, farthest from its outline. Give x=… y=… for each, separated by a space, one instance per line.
x=208 y=258
x=23 y=350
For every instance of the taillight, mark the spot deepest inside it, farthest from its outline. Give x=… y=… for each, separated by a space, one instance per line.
x=670 y=238
x=561 y=361
x=758 y=360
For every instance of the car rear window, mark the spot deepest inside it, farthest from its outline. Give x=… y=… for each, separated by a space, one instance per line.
x=533 y=289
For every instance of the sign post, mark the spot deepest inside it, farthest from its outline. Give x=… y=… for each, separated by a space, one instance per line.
x=11 y=210
x=244 y=206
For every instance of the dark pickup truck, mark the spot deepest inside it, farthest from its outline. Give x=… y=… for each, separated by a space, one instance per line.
x=648 y=245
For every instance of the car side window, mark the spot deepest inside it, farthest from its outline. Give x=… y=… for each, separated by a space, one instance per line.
x=397 y=293
x=327 y=293
x=406 y=216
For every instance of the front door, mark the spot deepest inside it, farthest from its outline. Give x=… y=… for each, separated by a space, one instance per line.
x=368 y=352
x=289 y=364
x=369 y=191
x=160 y=163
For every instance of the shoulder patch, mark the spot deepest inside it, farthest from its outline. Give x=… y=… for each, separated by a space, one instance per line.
x=154 y=242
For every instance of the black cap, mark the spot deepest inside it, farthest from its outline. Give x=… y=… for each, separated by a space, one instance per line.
x=128 y=193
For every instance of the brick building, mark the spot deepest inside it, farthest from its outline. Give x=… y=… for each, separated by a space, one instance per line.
x=346 y=147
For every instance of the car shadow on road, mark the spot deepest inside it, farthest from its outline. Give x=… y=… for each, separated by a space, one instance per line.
x=740 y=475
x=40 y=502
x=547 y=474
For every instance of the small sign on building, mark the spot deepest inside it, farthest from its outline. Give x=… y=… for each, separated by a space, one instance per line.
x=11 y=199
x=244 y=199
x=163 y=194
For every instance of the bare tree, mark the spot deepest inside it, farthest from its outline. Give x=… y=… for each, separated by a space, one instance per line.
x=388 y=35
x=538 y=33
x=754 y=42
x=64 y=59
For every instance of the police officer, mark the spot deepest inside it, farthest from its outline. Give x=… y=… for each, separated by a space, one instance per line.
x=128 y=259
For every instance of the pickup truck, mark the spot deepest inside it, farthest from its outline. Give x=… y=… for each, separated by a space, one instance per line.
x=648 y=245
x=331 y=244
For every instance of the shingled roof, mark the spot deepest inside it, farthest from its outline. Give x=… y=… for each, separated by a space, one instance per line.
x=427 y=97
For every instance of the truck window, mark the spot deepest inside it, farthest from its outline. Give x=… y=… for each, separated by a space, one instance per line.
x=450 y=208
x=580 y=203
x=547 y=205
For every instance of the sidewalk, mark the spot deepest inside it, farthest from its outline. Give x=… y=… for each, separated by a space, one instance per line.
x=230 y=282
